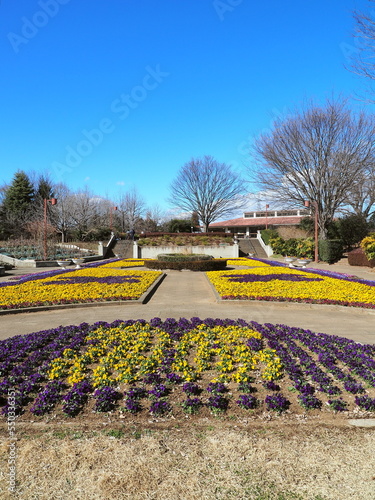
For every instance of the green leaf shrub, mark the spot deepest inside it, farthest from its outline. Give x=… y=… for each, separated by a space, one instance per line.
x=330 y=250
x=368 y=246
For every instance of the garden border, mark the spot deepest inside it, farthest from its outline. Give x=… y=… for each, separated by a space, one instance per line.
x=144 y=298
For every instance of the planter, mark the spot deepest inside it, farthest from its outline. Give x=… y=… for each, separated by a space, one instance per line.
x=78 y=262
x=303 y=262
x=290 y=259
x=64 y=263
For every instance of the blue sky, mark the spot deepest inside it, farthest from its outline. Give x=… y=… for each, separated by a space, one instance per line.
x=117 y=94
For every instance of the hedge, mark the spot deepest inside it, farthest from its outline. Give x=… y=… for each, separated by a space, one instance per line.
x=330 y=250
x=178 y=257
x=193 y=265
x=358 y=257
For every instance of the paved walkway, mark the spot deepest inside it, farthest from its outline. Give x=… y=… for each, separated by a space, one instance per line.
x=188 y=294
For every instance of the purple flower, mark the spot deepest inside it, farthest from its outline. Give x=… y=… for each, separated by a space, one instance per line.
x=353 y=387
x=216 y=388
x=277 y=402
x=365 y=402
x=48 y=398
x=338 y=404
x=309 y=402
x=255 y=344
x=191 y=405
x=160 y=408
x=247 y=402
x=133 y=405
x=136 y=393
x=159 y=391
x=106 y=399
x=174 y=378
x=76 y=398
x=191 y=388
x=270 y=385
x=217 y=403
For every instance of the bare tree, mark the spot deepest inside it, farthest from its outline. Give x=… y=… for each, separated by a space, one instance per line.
x=361 y=194
x=131 y=208
x=209 y=188
x=63 y=219
x=316 y=154
x=363 y=63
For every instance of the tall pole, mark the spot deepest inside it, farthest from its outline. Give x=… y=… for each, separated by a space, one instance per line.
x=53 y=201
x=267 y=207
x=316 y=235
x=111 y=217
x=316 y=232
x=45 y=229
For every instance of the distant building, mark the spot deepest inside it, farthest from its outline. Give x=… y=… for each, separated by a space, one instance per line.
x=251 y=222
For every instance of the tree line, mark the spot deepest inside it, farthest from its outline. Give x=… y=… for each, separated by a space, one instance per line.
x=77 y=215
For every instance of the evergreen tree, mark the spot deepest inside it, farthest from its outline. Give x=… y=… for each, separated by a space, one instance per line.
x=17 y=204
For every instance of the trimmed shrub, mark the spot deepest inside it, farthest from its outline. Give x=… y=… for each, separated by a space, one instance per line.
x=178 y=257
x=330 y=250
x=267 y=234
x=192 y=265
x=278 y=245
x=358 y=257
x=297 y=247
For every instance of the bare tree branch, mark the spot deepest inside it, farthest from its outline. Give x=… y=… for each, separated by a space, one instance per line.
x=363 y=58
x=209 y=188
x=320 y=154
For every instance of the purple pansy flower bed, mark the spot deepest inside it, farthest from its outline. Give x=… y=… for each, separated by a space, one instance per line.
x=252 y=278
x=323 y=371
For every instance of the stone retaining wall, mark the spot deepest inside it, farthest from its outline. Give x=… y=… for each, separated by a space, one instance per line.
x=221 y=251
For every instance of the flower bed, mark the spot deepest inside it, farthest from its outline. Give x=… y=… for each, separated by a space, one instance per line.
x=186 y=366
x=281 y=283
x=89 y=284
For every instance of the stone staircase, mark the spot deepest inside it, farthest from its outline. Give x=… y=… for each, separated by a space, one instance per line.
x=123 y=248
x=251 y=245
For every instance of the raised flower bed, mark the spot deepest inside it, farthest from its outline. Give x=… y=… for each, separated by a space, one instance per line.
x=90 y=284
x=281 y=283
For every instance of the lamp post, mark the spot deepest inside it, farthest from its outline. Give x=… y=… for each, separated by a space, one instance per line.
x=53 y=201
x=111 y=217
x=267 y=207
x=315 y=205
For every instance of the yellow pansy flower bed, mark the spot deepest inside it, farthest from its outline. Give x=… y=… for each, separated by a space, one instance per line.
x=125 y=263
x=243 y=261
x=126 y=353
x=82 y=285
x=282 y=283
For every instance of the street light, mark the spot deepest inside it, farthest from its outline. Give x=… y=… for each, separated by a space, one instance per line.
x=267 y=207
x=315 y=205
x=111 y=217
x=53 y=201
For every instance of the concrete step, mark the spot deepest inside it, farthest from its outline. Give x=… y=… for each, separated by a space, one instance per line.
x=123 y=248
x=251 y=245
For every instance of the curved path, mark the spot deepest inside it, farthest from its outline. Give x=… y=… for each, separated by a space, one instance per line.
x=188 y=294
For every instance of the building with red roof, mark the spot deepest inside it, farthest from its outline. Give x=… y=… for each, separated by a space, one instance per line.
x=251 y=222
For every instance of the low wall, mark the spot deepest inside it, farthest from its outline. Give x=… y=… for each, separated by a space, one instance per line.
x=40 y=263
x=224 y=251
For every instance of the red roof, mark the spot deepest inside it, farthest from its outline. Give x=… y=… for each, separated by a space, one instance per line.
x=258 y=221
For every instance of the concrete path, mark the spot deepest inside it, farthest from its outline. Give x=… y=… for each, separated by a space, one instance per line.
x=188 y=294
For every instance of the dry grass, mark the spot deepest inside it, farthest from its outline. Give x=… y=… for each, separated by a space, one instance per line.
x=191 y=460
